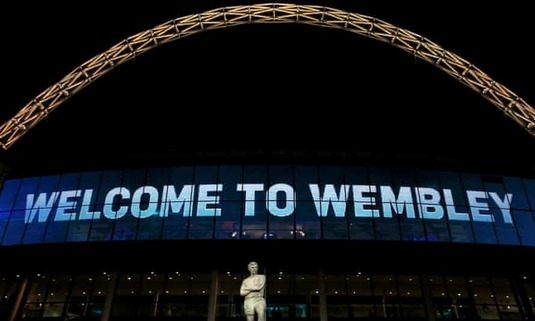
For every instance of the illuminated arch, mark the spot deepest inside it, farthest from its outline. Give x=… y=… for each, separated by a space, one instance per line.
x=468 y=74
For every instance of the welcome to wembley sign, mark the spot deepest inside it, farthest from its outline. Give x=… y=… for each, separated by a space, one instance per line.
x=31 y=202
x=203 y=200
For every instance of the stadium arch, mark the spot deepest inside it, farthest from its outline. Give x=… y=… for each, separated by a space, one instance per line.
x=465 y=72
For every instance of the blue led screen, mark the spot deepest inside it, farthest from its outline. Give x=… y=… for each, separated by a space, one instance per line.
x=268 y=202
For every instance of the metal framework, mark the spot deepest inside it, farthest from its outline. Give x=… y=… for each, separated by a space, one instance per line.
x=465 y=72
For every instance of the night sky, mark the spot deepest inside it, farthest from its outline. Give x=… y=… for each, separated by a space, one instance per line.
x=262 y=91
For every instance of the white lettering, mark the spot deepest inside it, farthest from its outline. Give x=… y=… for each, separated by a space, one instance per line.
x=206 y=200
x=330 y=198
x=41 y=207
x=478 y=208
x=64 y=205
x=360 y=201
x=250 y=190
x=450 y=208
x=85 y=214
x=281 y=201
x=289 y=205
x=504 y=205
x=177 y=203
x=152 y=207
x=429 y=200
x=404 y=200
x=108 y=210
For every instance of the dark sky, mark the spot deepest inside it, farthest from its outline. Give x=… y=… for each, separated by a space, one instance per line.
x=266 y=88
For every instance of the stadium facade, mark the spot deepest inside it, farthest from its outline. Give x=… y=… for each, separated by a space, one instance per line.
x=339 y=236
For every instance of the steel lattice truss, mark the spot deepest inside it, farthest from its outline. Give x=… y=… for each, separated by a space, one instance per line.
x=38 y=108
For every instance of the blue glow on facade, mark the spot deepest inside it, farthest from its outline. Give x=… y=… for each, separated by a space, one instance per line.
x=284 y=202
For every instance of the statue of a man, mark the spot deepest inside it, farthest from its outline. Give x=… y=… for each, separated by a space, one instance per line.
x=253 y=288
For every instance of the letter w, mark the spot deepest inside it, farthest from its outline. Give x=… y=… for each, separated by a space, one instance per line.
x=41 y=207
x=329 y=195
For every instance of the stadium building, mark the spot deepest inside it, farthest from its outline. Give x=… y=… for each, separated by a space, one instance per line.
x=320 y=141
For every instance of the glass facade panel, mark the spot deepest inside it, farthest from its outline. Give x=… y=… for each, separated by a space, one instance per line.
x=289 y=296
x=8 y=290
x=385 y=291
x=441 y=298
x=529 y=185
x=500 y=203
x=9 y=190
x=410 y=297
x=207 y=205
x=128 y=284
x=56 y=296
x=178 y=205
x=228 y=225
x=515 y=187
x=135 y=203
x=411 y=224
x=462 y=303
x=361 y=226
x=336 y=293
x=505 y=232
x=44 y=206
x=229 y=301
x=360 y=296
x=503 y=293
x=4 y=217
x=150 y=227
x=525 y=225
x=458 y=208
x=66 y=212
x=80 y=295
x=15 y=227
x=281 y=203
x=152 y=286
x=255 y=214
x=483 y=298
x=89 y=210
x=530 y=292
x=482 y=219
x=335 y=196
x=136 y=295
x=307 y=220
x=437 y=227
x=186 y=296
x=111 y=201
x=386 y=223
